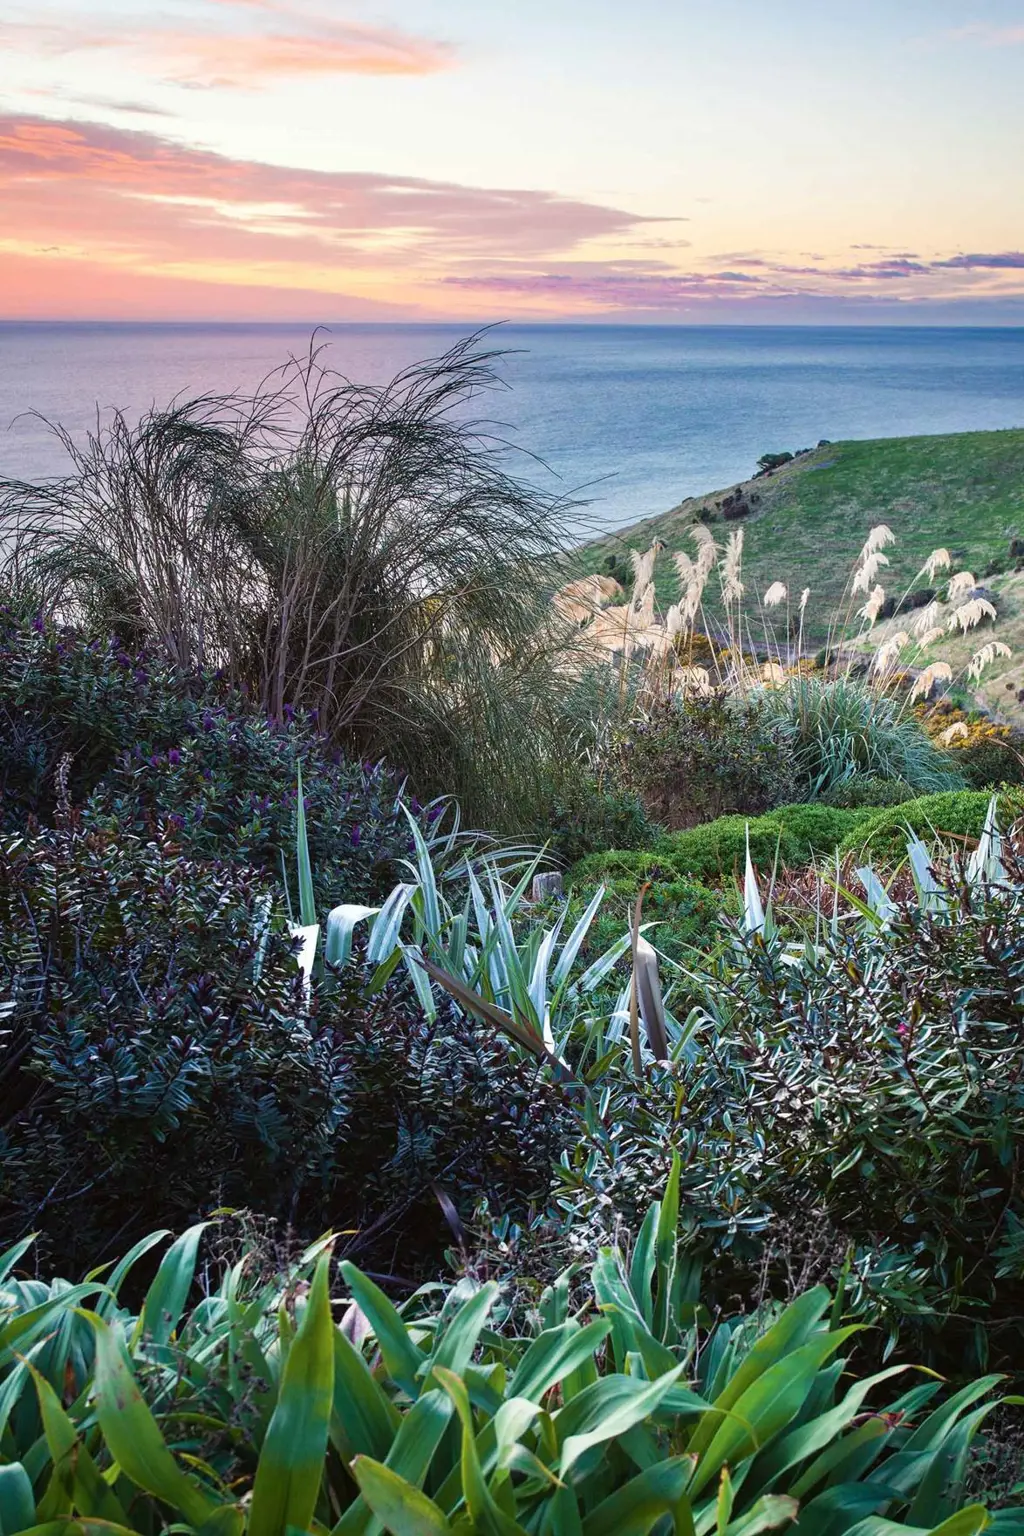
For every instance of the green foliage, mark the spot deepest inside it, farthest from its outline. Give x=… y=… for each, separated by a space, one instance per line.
x=959 y=814
x=253 y=1412
x=842 y=728
x=861 y=793
x=684 y=913
x=161 y=1057
x=694 y=759
x=582 y=816
x=715 y=852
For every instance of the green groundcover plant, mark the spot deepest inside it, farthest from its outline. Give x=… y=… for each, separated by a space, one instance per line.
x=621 y=1407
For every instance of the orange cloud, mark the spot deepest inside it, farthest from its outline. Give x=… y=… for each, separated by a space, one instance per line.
x=289 y=42
x=133 y=200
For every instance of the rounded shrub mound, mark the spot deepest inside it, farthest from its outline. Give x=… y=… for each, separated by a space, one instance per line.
x=714 y=853
x=957 y=815
x=792 y=835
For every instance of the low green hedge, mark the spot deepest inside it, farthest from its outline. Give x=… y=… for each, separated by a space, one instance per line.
x=715 y=851
x=958 y=813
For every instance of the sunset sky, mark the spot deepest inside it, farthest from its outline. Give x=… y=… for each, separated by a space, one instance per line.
x=656 y=160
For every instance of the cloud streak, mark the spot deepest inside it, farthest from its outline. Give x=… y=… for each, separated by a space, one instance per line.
x=135 y=199
x=990 y=36
x=242 y=44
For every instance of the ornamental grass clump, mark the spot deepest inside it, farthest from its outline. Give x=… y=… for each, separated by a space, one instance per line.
x=360 y=554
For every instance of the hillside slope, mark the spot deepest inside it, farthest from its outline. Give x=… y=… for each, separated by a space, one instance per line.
x=964 y=491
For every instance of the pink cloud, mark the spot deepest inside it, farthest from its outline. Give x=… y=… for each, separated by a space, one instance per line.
x=135 y=198
x=289 y=41
x=996 y=261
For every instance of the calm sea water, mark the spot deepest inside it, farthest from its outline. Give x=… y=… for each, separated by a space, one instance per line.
x=634 y=417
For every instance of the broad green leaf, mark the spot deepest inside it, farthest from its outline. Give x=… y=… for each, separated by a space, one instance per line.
x=770 y=1403
x=105 y=1305
x=487 y=1515
x=166 y=1297
x=401 y=1356
x=77 y=1482
x=364 y=1422
x=666 y=1240
x=553 y=1354
x=17 y=1501
x=831 y=1465
x=10 y=1256
x=401 y=1508
x=789 y=1331
x=132 y=1434
x=25 y=1327
x=409 y=1458
x=941 y=1488
x=454 y=1348
x=291 y=1462
x=633 y=1509
x=641 y=1266
x=818 y=1435
x=605 y=1410
x=938 y=1421
x=838 y=1508
x=770 y=1511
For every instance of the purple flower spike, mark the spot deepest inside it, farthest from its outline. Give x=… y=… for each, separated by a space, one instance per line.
x=174 y=757
x=357 y=835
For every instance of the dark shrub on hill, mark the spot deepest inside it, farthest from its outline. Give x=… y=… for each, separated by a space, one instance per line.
x=160 y=1059
x=142 y=743
x=693 y=760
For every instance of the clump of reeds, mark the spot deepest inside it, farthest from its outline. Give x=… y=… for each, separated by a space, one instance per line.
x=358 y=552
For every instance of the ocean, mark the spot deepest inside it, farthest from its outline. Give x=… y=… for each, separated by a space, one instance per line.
x=630 y=418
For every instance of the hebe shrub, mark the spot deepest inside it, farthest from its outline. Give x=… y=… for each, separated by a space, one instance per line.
x=714 y=853
x=160 y=1058
x=142 y=747
x=958 y=814
x=853 y=1108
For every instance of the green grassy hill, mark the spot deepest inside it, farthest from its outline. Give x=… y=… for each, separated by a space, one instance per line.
x=964 y=491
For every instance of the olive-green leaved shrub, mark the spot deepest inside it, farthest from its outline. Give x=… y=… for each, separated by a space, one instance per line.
x=256 y=1410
